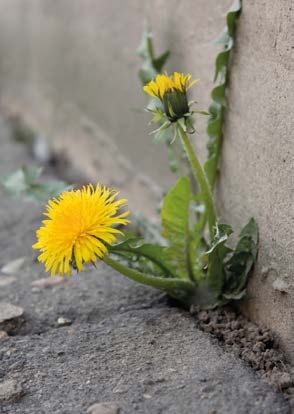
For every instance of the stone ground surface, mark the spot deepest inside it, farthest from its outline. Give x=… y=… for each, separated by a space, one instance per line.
x=117 y=342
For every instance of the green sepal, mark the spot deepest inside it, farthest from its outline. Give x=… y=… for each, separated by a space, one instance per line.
x=175 y=104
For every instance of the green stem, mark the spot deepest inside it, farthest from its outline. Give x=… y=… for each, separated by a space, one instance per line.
x=202 y=181
x=167 y=284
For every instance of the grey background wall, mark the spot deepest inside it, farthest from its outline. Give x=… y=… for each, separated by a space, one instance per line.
x=70 y=69
x=71 y=66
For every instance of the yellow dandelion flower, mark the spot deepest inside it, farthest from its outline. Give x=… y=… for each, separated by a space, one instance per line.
x=172 y=91
x=164 y=83
x=80 y=223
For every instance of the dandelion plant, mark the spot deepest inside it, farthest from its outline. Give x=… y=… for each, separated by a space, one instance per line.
x=194 y=264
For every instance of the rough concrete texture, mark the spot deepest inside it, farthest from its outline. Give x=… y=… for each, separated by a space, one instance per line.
x=122 y=343
x=257 y=169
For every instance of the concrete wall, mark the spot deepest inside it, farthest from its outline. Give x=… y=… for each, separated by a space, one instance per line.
x=69 y=67
x=257 y=171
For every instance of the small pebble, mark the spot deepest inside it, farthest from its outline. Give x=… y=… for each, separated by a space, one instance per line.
x=285 y=380
x=48 y=282
x=63 y=321
x=281 y=285
x=3 y=336
x=10 y=391
x=203 y=316
x=104 y=408
x=147 y=396
x=259 y=346
x=13 y=266
x=9 y=311
x=6 y=280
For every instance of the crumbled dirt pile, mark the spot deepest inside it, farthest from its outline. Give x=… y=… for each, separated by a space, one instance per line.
x=254 y=344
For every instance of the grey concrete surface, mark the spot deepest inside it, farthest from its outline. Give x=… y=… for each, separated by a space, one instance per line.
x=122 y=344
x=257 y=169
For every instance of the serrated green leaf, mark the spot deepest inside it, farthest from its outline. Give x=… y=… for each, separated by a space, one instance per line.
x=250 y=230
x=161 y=61
x=217 y=108
x=155 y=253
x=21 y=180
x=151 y=65
x=47 y=190
x=222 y=38
x=232 y=16
x=31 y=173
x=243 y=259
x=214 y=127
x=175 y=224
x=14 y=183
x=218 y=94
x=210 y=169
x=25 y=182
x=221 y=64
x=214 y=109
x=216 y=256
x=145 y=49
x=214 y=131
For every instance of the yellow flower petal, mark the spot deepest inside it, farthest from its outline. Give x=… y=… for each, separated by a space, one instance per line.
x=78 y=226
x=164 y=83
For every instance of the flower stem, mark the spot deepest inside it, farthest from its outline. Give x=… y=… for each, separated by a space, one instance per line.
x=202 y=181
x=167 y=284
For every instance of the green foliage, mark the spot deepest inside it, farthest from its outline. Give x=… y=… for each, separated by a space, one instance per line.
x=218 y=106
x=241 y=262
x=218 y=271
x=173 y=255
x=216 y=256
x=228 y=270
x=151 y=65
x=25 y=182
x=175 y=224
x=133 y=249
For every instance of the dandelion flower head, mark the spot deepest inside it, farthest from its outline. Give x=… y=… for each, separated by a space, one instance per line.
x=79 y=225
